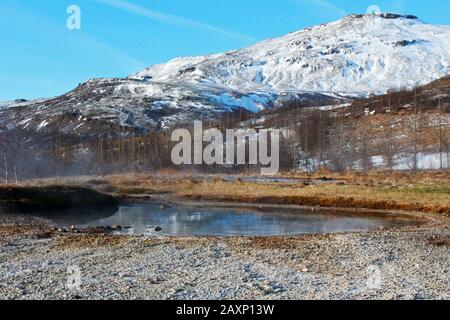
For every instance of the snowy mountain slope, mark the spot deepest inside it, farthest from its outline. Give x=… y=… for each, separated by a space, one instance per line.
x=323 y=65
x=109 y=107
x=359 y=54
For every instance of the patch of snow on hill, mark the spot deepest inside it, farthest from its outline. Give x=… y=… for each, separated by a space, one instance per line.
x=358 y=54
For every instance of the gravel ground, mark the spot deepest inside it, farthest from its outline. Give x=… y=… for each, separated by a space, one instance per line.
x=36 y=263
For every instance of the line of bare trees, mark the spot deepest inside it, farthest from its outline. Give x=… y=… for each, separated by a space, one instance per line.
x=405 y=134
x=395 y=132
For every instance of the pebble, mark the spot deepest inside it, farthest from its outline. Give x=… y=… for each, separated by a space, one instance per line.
x=116 y=227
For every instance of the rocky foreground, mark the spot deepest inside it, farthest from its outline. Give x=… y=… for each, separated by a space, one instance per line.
x=36 y=263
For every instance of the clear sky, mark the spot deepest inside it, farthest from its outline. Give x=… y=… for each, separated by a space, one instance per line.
x=41 y=57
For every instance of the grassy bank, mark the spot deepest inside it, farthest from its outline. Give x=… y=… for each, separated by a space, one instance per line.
x=52 y=198
x=423 y=192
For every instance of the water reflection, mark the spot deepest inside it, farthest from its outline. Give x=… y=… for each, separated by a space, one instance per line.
x=80 y=216
x=181 y=220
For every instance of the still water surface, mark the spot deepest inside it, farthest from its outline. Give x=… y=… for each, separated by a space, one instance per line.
x=181 y=220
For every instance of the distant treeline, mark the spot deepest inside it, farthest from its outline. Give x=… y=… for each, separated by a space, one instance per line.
x=403 y=124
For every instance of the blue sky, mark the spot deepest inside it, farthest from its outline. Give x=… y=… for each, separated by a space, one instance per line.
x=40 y=57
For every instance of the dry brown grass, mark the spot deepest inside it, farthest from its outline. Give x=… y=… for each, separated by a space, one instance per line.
x=382 y=177
x=425 y=191
x=326 y=196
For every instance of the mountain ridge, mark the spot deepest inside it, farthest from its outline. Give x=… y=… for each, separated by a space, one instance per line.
x=292 y=61
x=357 y=56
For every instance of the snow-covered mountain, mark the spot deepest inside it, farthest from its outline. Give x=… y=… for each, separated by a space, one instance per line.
x=356 y=56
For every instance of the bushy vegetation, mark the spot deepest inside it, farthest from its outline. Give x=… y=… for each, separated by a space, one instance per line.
x=52 y=198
